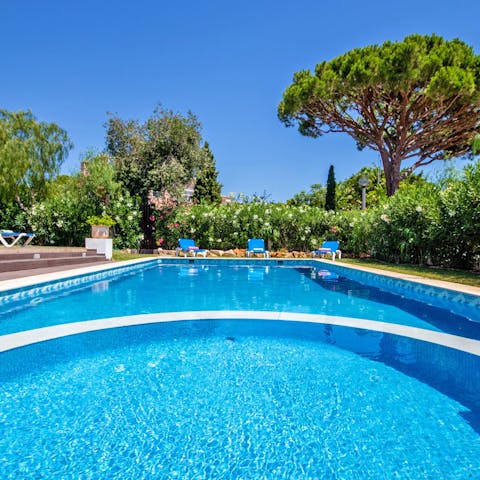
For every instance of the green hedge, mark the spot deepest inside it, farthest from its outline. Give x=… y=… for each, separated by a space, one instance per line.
x=230 y=226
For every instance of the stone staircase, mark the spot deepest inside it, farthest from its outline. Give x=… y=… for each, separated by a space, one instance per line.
x=32 y=258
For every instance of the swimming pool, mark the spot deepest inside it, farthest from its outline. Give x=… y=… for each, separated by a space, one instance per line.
x=256 y=397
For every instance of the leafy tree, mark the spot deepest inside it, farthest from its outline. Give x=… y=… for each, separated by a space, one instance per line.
x=207 y=188
x=31 y=153
x=330 y=195
x=97 y=180
x=164 y=153
x=349 y=191
x=417 y=101
x=315 y=197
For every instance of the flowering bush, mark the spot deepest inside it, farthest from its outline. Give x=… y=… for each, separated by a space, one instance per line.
x=458 y=237
x=230 y=226
x=403 y=229
x=58 y=220
x=125 y=210
x=63 y=219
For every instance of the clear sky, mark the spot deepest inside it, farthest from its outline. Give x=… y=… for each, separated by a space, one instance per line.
x=71 y=62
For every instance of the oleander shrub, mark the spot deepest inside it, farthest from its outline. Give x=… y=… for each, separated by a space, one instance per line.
x=458 y=238
x=403 y=229
x=230 y=226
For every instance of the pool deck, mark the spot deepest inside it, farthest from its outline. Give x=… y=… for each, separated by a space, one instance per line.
x=24 y=278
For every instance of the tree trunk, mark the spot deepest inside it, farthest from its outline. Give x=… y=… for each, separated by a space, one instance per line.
x=147 y=245
x=391 y=167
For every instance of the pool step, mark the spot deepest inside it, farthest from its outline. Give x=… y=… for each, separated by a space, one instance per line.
x=10 y=262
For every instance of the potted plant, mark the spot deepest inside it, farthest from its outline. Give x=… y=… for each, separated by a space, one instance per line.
x=101 y=225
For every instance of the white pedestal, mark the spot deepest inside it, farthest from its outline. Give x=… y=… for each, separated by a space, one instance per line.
x=101 y=245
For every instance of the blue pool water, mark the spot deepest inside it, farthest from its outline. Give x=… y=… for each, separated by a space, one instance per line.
x=239 y=400
x=186 y=287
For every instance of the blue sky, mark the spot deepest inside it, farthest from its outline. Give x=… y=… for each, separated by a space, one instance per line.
x=71 y=62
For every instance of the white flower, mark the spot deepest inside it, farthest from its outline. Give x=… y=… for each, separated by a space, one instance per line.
x=419 y=209
x=130 y=218
x=385 y=218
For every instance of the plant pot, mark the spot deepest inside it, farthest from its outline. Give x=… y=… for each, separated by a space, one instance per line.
x=100 y=231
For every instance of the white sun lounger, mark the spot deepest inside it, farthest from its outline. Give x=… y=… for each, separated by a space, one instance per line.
x=10 y=238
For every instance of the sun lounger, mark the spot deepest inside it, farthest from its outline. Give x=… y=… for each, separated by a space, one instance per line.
x=328 y=248
x=257 y=245
x=187 y=245
x=10 y=238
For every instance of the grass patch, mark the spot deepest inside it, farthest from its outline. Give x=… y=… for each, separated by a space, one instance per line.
x=120 y=256
x=445 y=274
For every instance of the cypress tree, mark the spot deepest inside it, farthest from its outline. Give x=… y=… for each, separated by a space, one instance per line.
x=330 y=201
x=207 y=188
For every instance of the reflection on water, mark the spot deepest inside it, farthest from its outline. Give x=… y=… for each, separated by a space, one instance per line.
x=192 y=271
x=101 y=286
x=257 y=274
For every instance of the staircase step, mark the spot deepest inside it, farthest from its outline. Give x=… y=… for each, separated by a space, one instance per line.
x=33 y=263
x=39 y=254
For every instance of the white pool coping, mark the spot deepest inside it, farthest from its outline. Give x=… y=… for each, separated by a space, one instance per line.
x=29 y=337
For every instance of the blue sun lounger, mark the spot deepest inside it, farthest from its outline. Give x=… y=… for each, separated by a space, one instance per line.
x=328 y=248
x=9 y=238
x=257 y=245
x=187 y=245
